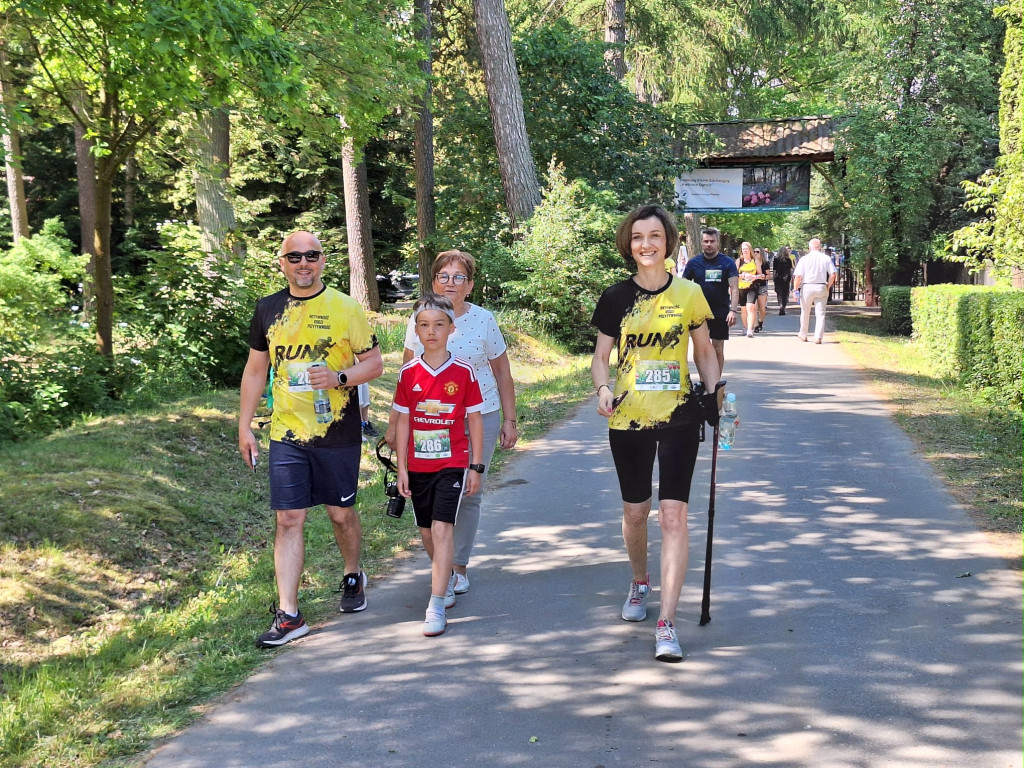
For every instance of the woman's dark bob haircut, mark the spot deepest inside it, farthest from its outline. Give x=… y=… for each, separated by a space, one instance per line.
x=624 y=235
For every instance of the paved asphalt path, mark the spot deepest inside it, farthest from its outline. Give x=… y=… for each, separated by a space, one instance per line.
x=858 y=619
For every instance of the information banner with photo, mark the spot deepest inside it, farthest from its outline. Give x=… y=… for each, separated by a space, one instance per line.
x=780 y=187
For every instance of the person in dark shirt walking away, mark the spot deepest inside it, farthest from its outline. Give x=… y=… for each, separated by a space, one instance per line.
x=782 y=269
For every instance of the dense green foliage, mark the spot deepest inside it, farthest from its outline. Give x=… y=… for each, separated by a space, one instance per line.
x=565 y=259
x=577 y=115
x=48 y=369
x=922 y=89
x=976 y=334
x=998 y=194
x=895 y=302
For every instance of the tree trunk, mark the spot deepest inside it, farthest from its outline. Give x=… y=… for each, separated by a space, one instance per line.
x=12 y=155
x=615 y=35
x=362 y=275
x=214 y=212
x=423 y=152
x=131 y=174
x=106 y=170
x=85 y=165
x=870 y=299
x=518 y=173
x=691 y=223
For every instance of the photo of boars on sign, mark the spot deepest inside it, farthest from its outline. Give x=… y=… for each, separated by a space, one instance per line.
x=777 y=186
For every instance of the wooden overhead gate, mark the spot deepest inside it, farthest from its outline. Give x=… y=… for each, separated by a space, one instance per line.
x=745 y=143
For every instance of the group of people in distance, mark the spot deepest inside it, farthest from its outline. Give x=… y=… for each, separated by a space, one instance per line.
x=740 y=287
x=455 y=401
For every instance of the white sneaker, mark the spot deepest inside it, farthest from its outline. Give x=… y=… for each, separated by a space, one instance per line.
x=435 y=623
x=635 y=607
x=449 y=595
x=461 y=583
x=666 y=644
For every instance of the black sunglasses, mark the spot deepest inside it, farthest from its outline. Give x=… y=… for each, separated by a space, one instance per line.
x=294 y=257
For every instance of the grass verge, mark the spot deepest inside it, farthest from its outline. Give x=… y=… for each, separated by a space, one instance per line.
x=136 y=565
x=972 y=443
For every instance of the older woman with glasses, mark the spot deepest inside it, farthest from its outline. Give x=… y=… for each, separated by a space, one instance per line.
x=478 y=341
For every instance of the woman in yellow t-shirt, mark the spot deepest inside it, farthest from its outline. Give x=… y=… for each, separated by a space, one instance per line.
x=748 y=269
x=651 y=319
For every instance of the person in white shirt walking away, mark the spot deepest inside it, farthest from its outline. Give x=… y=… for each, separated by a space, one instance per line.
x=814 y=275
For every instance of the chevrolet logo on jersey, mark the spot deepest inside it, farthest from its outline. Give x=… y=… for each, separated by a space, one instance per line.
x=434 y=407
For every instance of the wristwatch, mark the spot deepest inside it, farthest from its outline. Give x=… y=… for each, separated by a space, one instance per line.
x=342 y=378
x=478 y=468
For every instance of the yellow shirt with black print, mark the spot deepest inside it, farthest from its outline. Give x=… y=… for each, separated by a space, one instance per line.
x=652 y=332
x=297 y=331
x=747 y=272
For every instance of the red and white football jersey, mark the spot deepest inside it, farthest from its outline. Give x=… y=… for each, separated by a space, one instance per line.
x=437 y=402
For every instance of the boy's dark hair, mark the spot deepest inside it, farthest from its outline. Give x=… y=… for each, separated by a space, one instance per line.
x=433 y=301
x=625 y=232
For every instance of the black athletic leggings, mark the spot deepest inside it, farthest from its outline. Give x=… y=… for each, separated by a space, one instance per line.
x=633 y=453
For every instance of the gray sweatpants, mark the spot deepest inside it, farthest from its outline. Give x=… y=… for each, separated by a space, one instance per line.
x=469 y=508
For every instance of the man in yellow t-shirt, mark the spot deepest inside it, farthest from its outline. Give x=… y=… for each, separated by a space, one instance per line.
x=319 y=342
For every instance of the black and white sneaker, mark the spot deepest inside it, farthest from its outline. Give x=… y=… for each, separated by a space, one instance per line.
x=284 y=629
x=369 y=430
x=353 y=596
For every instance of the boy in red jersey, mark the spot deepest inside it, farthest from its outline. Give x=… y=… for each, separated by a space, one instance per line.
x=437 y=394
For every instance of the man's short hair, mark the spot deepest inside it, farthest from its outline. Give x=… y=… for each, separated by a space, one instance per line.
x=713 y=232
x=624 y=235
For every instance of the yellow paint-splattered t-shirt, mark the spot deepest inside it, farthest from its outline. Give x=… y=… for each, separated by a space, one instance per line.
x=329 y=327
x=652 y=333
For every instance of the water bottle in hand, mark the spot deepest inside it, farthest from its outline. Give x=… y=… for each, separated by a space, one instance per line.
x=321 y=400
x=729 y=422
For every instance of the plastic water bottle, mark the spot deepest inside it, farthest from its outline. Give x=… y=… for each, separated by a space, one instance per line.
x=729 y=422
x=321 y=400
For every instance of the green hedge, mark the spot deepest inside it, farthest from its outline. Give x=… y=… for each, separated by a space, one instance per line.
x=973 y=333
x=895 y=301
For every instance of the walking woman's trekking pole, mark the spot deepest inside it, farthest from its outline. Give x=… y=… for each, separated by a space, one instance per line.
x=705 y=603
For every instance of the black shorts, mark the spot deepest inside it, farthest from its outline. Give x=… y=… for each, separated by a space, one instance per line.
x=718 y=329
x=748 y=295
x=633 y=453
x=437 y=495
x=302 y=477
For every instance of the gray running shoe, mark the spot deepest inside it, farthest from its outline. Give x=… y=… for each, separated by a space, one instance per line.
x=461 y=583
x=284 y=629
x=666 y=644
x=435 y=623
x=635 y=607
x=353 y=596
x=449 y=595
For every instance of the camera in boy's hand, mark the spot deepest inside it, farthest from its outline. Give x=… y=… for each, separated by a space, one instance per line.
x=396 y=501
